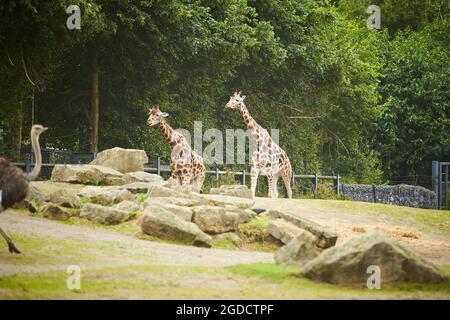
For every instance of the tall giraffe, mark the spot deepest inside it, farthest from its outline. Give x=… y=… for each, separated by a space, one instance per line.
x=268 y=158
x=186 y=165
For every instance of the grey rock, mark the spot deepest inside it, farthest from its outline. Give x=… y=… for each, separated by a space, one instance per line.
x=283 y=230
x=301 y=249
x=122 y=160
x=325 y=238
x=236 y=190
x=165 y=225
x=55 y=212
x=348 y=263
x=142 y=176
x=104 y=215
x=215 y=220
x=65 y=198
x=220 y=200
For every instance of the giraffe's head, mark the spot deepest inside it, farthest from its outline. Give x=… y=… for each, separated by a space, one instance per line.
x=235 y=101
x=155 y=116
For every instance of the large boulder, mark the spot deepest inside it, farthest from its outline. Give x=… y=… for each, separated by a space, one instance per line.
x=142 y=176
x=186 y=202
x=228 y=236
x=56 y=212
x=122 y=160
x=83 y=173
x=165 y=225
x=219 y=200
x=215 y=219
x=348 y=263
x=65 y=198
x=283 y=230
x=106 y=196
x=235 y=190
x=325 y=238
x=104 y=215
x=184 y=213
x=301 y=249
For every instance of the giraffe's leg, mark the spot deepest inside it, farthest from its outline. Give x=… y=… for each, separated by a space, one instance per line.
x=275 y=186
x=201 y=179
x=287 y=178
x=11 y=246
x=254 y=179
x=270 y=185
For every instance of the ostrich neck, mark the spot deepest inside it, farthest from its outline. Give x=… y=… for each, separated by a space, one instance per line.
x=37 y=154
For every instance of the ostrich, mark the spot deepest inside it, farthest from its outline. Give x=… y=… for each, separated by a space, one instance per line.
x=14 y=182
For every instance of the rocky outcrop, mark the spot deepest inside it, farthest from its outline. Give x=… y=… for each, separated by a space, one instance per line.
x=122 y=160
x=215 y=220
x=141 y=176
x=186 y=202
x=165 y=225
x=228 y=236
x=56 y=212
x=219 y=200
x=236 y=190
x=245 y=215
x=349 y=262
x=301 y=249
x=402 y=195
x=184 y=213
x=104 y=215
x=65 y=198
x=84 y=174
x=325 y=238
x=127 y=205
x=283 y=230
x=106 y=196
x=161 y=191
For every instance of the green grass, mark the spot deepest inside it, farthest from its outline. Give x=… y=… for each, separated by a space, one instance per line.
x=140 y=197
x=288 y=277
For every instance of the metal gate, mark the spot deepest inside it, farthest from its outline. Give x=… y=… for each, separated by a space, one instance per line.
x=440 y=183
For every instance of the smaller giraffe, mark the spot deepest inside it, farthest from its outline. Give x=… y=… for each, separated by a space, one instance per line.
x=268 y=158
x=186 y=165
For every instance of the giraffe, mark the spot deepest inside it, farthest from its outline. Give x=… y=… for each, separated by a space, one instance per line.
x=268 y=158
x=186 y=165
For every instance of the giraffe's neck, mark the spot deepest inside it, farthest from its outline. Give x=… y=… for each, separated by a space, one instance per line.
x=249 y=121
x=167 y=132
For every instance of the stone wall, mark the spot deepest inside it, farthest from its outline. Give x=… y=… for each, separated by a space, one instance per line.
x=403 y=195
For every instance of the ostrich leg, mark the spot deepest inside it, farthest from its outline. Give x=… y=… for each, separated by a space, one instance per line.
x=11 y=246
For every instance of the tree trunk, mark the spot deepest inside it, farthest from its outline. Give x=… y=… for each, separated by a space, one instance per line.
x=94 y=104
x=17 y=132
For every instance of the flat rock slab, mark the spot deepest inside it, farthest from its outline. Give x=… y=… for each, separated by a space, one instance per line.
x=142 y=176
x=349 y=263
x=283 y=230
x=105 y=196
x=83 y=174
x=104 y=215
x=220 y=200
x=186 y=202
x=235 y=190
x=325 y=238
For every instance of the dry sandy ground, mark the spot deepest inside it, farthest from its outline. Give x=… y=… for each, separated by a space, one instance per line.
x=349 y=223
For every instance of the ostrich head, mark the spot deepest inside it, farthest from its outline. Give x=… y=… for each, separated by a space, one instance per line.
x=235 y=101
x=155 y=116
x=37 y=129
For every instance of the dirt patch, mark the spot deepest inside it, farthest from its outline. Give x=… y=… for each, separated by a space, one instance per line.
x=351 y=223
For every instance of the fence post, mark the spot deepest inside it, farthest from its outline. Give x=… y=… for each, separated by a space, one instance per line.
x=338 y=185
x=243 y=177
x=374 y=194
x=27 y=166
x=316 y=182
x=436 y=183
x=217 y=176
x=158 y=166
